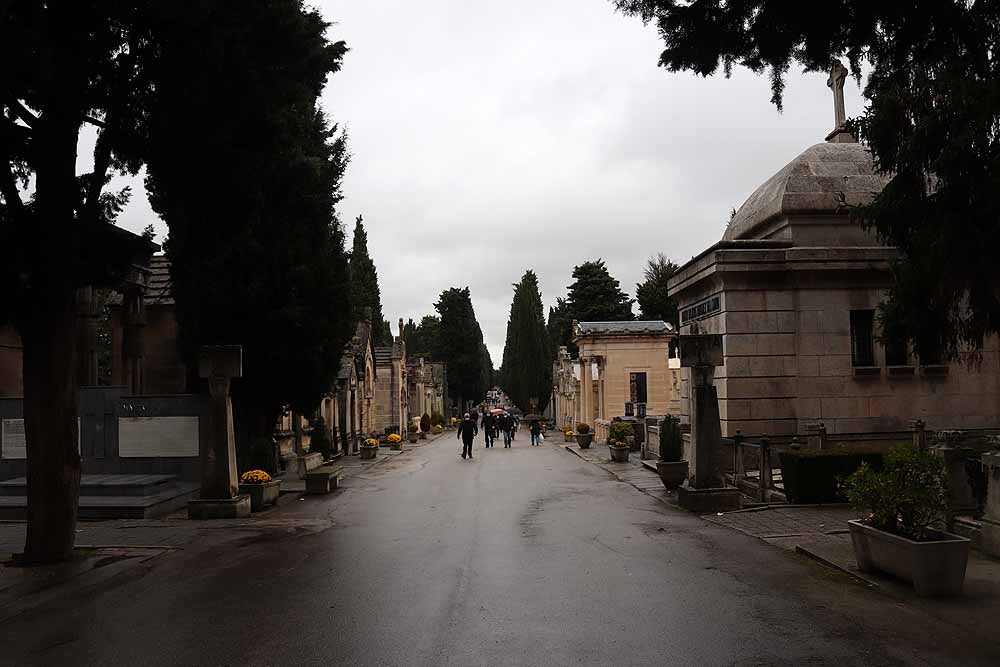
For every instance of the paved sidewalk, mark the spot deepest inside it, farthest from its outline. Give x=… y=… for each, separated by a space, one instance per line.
x=633 y=472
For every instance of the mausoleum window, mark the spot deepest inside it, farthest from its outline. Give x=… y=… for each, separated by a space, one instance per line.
x=862 y=338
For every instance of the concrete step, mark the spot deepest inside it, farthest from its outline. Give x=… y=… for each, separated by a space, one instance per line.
x=115 y=507
x=104 y=485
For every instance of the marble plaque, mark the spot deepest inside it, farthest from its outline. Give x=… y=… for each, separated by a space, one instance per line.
x=13 y=444
x=157 y=437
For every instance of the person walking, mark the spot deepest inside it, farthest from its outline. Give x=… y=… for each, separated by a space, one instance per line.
x=467 y=431
x=517 y=423
x=536 y=433
x=488 y=429
x=507 y=426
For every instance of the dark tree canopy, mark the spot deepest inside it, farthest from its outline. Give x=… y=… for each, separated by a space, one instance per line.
x=594 y=296
x=470 y=369
x=256 y=248
x=422 y=339
x=365 y=292
x=651 y=293
x=931 y=123
x=526 y=371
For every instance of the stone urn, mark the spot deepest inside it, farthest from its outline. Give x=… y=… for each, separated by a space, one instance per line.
x=583 y=440
x=935 y=566
x=262 y=495
x=619 y=454
x=368 y=452
x=672 y=473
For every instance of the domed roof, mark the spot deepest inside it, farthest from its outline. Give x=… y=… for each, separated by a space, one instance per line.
x=810 y=184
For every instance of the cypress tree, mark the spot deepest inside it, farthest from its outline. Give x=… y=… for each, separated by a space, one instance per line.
x=365 y=292
x=594 y=296
x=461 y=346
x=526 y=372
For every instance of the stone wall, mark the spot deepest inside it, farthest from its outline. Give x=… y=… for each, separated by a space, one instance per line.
x=10 y=363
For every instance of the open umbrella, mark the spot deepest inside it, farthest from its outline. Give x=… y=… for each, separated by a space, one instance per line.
x=497 y=411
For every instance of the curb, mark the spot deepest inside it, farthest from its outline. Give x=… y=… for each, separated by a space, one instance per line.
x=663 y=499
x=813 y=556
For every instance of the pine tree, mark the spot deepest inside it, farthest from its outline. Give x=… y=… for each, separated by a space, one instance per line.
x=594 y=296
x=365 y=292
x=526 y=372
x=651 y=293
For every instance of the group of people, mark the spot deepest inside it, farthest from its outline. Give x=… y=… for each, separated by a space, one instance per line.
x=493 y=424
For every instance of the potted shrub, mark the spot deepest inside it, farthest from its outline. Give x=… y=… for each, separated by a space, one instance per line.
x=583 y=435
x=425 y=425
x=903 y=503
x=369 y=449
x=618 y=434
x=395 y=441
x=412 y=432
x=568 y=435
x=261 y=488
x=319 y=439
x=671 y=468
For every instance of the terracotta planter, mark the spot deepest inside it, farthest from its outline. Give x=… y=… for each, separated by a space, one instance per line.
x=369 y=452
x=262 y=495
x=672 y=473
x=619 y=454
x=935 y=566
x=584 y=440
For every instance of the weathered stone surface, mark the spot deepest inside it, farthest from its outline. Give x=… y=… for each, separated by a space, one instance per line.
x=237 y=507
x=709 y=501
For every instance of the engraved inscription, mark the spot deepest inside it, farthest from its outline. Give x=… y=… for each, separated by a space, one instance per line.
x=157 y=436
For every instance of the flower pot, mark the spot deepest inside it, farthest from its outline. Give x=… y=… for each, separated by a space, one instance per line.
x=619 y=454
x=396 y=446
x=261 y=495
x=411 y=437
x=369 y=452
x=672 y=473
x=584 y=440
x=423 y=435
x=569 y=438
x=935 y=566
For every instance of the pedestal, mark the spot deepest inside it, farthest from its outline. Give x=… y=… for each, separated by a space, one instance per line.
x=218 y=456
x=709 y=500
x=225 y=508
x=990 y=538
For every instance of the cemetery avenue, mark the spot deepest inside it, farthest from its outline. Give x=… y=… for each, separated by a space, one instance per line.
x=584 y=332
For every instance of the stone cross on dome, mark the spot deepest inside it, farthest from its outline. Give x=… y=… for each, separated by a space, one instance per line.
x=838 y=74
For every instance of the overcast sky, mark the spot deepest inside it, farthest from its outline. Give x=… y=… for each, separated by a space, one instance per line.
x=490 y=138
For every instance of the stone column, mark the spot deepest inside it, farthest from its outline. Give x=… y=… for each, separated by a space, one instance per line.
x=586 y=391
x=87 y=324
x=602 y=407
x=705 y=489
x=219 y=485
x=990 y=543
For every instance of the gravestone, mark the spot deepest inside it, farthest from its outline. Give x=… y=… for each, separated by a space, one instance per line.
x=705 y=490
x=220 y=486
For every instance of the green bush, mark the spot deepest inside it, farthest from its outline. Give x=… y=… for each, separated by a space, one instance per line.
x=319 y=440
x=425 y=422
x=437 y=419
x=411 y=428
x=671 y=442
x=906 y=497
x=812 y=476
x=619 y=431
x=583 y=428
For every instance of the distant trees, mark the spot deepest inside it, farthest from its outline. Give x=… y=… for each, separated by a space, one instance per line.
x=526 y=371
x=365 y=292
x=461 y=346
x=422 y=340
x=246 y=171
x=594 y=296
x=651 y=293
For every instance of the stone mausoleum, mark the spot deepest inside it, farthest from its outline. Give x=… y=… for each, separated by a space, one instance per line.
x=793 y=287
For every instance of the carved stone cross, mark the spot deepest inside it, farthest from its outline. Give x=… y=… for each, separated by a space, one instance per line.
x=838 y=73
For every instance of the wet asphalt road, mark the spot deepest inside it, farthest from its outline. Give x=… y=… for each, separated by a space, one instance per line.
x=524 y=556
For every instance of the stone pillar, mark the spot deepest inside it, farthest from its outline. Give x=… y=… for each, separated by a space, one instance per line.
x=991 y=516
x=586 y=391
x=219 y=485
x=133 y=349
x=705 y=489
x=602 y=407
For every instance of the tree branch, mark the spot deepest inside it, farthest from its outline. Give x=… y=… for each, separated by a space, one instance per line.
x=22 y=112
x=102 y=160
x=8 y=187
x=94 y=121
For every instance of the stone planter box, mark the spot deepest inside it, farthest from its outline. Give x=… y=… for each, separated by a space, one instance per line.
x=368 y=452
x=584 y=440
x=672 y=473
x=262 y=495
x=935 y=567
x=411 y=438
x=619 y=454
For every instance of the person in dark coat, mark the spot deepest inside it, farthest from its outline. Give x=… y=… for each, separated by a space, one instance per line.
x=536 y=432
x=507 y=426
x=467 y=431
x=488 y=420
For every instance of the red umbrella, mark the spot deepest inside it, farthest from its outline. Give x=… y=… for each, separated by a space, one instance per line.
x=496 y=411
